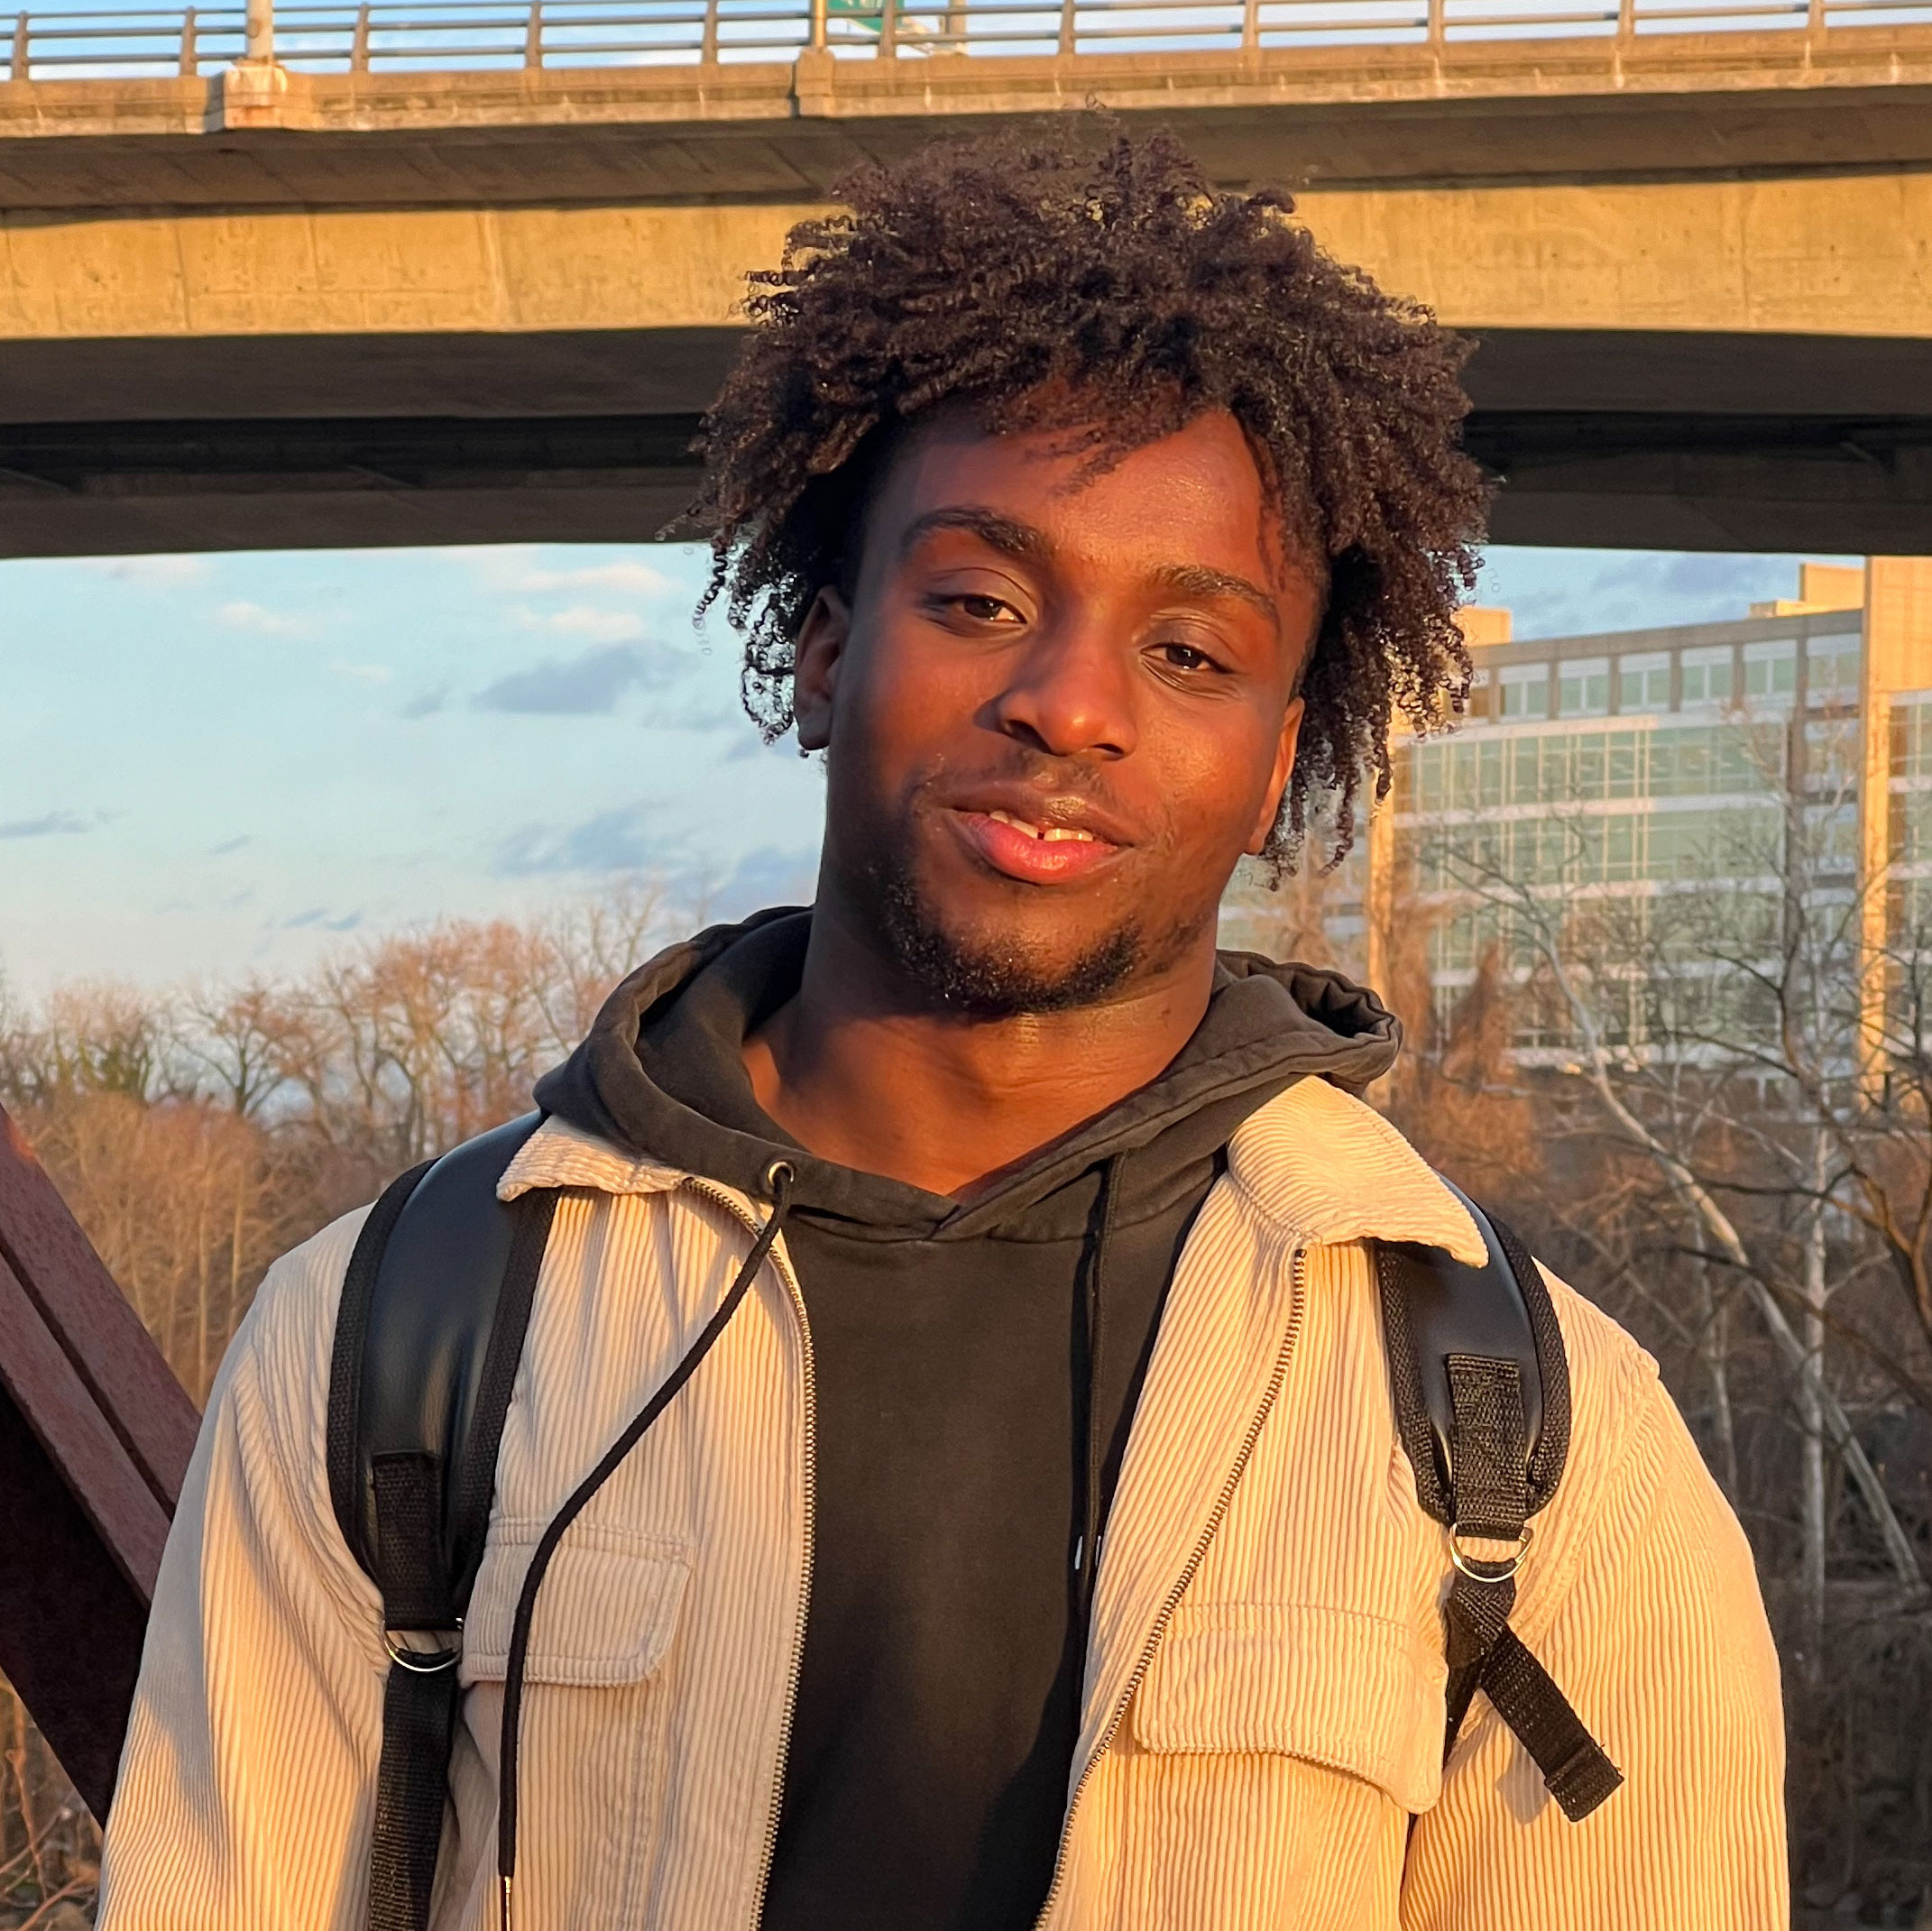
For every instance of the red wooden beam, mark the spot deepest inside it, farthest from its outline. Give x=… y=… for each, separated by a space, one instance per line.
x=95 y=1437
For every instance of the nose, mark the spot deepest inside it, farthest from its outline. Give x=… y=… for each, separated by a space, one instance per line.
x=1070 y=695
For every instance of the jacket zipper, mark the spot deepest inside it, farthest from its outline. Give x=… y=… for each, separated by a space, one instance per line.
x=1174 y=1594
x=720 y=1197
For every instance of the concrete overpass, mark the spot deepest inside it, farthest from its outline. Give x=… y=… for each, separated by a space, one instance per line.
x=403 y=287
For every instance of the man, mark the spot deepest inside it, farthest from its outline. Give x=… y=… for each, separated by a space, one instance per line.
x=1035 y=1543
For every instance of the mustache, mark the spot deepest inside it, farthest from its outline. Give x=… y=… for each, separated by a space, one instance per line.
x=1061 y=777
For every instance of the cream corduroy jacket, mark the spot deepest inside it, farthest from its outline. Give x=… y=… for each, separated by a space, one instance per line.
x=1263 y=1698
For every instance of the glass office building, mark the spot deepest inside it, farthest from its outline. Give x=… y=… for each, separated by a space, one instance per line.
x=1606 y=776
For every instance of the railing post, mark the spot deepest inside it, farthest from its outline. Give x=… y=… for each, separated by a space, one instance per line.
x=1815 y=17
x=1251 y=23
x=889 y=29
x=708 y=52
x=1436 y=24
x=359 y=46
x=1067 y=24
x=190 y=57
x=261 y=46
x=533 y=36
x=818 y=23
x=16 y=69
x=1626 y=20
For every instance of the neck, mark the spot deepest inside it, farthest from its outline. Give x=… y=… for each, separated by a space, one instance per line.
x=862 y=1069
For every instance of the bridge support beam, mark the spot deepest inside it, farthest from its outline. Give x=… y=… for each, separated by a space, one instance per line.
x=95 y=1437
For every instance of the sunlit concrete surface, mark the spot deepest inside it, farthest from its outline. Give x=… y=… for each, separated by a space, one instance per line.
x=279 y=308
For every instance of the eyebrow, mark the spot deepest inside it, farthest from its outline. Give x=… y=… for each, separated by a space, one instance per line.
x=1031 y=545
x=1003 y=533
x=1199 y=581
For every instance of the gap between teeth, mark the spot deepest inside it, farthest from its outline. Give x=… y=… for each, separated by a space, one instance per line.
x=1046 y=834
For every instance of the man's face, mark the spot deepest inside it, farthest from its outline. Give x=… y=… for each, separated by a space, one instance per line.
x=1058 y=710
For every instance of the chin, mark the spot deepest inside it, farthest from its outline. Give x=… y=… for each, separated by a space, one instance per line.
x=993 y=966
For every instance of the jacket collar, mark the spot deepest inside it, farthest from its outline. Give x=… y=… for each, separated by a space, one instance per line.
x=1325 y=1168
x=1313 y=1163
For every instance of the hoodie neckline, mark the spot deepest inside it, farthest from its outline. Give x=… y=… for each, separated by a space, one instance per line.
x=660 y=1075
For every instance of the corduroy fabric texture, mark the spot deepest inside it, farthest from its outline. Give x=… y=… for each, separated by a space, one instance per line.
x=1265 y=1693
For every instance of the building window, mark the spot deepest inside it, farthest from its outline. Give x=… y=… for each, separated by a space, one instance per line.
x=1708 y=676
x=1831 y=671
x=1644 y=684
x=1584 y=687
x=1911 y=740
x=1525 y=690
x=1771 y=670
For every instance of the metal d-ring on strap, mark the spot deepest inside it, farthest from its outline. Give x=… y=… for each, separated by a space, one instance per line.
x=1487 y=1568
x=423 y=1663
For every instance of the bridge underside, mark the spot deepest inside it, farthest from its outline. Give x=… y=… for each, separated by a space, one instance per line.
x=1611 y=437
x=478 y=307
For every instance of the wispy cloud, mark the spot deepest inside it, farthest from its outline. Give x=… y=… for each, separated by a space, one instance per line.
x=582 y=686
x=426 y=704
x=317 y=916
x=1570 y=593
x=585 y=619
x=620 y=840
x=636 y=578
x=360 y=673
x=228 y=845
x=155 y=572
x=770 y=876
x=259 y=620
x=50 y=824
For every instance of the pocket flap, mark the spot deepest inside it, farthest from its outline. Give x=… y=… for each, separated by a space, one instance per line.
x=604 y=1615
x=1351 y=1692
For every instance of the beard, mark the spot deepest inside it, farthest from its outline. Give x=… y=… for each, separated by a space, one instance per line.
x=992 y=978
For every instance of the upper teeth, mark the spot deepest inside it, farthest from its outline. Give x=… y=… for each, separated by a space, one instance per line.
x=1044 y=831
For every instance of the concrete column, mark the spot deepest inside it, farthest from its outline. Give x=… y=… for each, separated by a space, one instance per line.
x=1898 y=657
x=260 y=33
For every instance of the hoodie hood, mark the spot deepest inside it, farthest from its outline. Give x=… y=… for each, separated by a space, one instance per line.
x=661 y=1075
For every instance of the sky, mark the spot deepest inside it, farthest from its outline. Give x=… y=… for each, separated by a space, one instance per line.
x=215 y=767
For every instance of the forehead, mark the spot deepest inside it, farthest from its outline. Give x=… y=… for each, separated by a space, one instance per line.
x=1195 y=496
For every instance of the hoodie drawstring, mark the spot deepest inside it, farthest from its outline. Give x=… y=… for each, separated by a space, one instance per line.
x=1087 y=1550
x=779 y=1178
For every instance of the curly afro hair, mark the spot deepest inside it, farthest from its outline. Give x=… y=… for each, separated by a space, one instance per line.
x=1089 y=275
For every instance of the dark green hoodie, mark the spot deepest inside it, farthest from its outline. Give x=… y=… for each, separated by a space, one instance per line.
x=977 y=1367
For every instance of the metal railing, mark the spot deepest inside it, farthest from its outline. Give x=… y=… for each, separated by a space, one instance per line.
x=359 y=36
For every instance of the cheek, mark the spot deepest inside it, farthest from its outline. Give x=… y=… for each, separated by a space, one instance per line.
x=908 y=703
x=1210 y=783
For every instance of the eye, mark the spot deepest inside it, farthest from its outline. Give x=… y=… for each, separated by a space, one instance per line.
x=973 y=609
x=1176 y=655
x=980 y=608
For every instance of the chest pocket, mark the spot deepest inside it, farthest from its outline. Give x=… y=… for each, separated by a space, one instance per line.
x=596 y=1712
x=604 y=1618
x=1352 y=1693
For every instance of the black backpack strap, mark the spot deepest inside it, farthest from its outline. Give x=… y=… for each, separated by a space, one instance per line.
x=1481 y=1386
x=434 y=1311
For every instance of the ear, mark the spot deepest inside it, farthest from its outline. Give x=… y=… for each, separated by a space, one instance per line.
x=1271 y=805
x=819 y=651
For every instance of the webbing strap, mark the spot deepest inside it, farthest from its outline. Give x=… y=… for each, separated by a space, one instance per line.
x=427 y=1543
x=1579 y=1774
x=412 y=1780
x=1489 y=1464
x=419 y=1700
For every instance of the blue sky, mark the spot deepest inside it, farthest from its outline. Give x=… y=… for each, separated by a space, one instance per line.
x=215 y=765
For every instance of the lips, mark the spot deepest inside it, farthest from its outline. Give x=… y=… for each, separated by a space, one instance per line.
x=1034 y=850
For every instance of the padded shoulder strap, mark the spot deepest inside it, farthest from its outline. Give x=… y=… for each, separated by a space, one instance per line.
x=1434 y=1308
x=434 y=1307
x=423 y=1364
x=1481 y=1388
